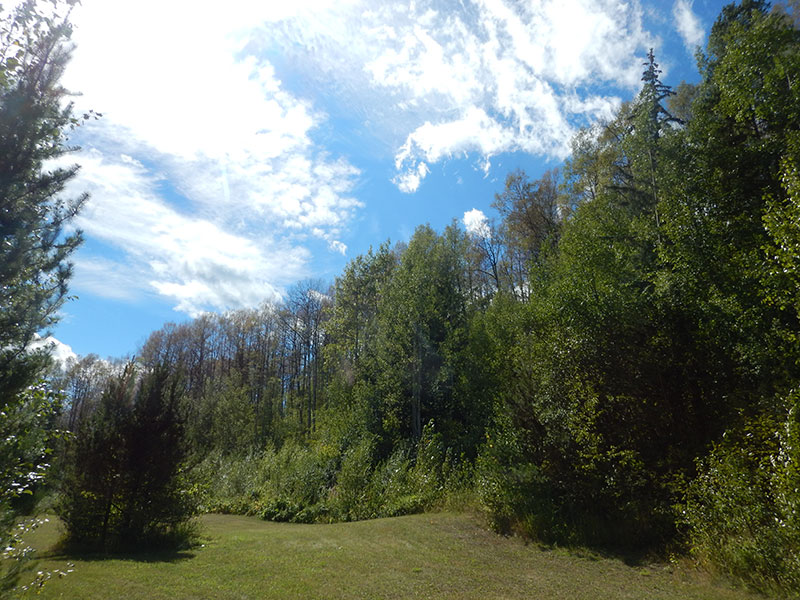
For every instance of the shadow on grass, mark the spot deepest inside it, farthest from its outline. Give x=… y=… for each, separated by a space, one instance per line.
x=144 y=556
x=149 y=554
x=173 y=546
x=630 y=557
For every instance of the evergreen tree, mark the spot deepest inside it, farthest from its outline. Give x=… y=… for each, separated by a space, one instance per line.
x=34 y=123
x=122 y=484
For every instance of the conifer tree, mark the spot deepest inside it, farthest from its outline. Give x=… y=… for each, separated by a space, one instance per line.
x=34 y=123
x=34 y=247
x=122 y=484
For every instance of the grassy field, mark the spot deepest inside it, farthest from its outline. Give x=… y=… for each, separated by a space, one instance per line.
x=423 y=556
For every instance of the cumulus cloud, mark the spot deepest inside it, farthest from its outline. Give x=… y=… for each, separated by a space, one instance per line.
x=500 y=76
x=688 y=24
x=338 y=246
x=218 y=121
x=203 y=172
x=58 y=350
x=433 y=79
x=476 y=223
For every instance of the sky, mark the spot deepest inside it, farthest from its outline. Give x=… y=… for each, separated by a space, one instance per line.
x=245 y=146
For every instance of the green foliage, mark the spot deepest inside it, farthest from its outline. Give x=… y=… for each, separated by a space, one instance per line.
x=403 y=346
x=350 y=499
x=277 y=484
x=781 y=221
x=592 y=424
x=230 y=410
x=646 y=329
x=743 y=510
x=123 y=485
x=335 y=480
x=27 y=437
x=34 y=123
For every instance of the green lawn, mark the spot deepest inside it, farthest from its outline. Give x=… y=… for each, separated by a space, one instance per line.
x=422 y=556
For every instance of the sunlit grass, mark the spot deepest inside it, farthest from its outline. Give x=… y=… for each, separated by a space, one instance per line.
x=422 y=556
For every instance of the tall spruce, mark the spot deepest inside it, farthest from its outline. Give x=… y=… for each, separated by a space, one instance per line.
x=35 y=120
x=34 y=123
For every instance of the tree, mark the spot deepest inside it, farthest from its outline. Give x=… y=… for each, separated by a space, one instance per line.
x=34 y=124
x=122 y=485
x=531 y=218
x=82 y=382
x=597 y=402
x=26 y=441
x=744 y=118
x=423 y=331
x=732 y=225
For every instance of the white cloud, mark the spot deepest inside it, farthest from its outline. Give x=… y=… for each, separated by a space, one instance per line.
x=107 y=278
x=688 y=24
x=507 y=71
x=203 y=171
x=206 y=172
x=338 y=246
x=476 y=223
x=190 y=260
x=404 y=69
x=501 y=76
x=228 y=135
x=59 y=351
x=408 y=180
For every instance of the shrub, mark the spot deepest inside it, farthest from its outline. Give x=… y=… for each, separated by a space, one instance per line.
x=335 y=480
x=743 y=510
x=353 y=496
x=26 y=440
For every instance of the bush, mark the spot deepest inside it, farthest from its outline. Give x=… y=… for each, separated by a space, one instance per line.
x=353 y=496
x=326 y=481
x=26 y=440
x=124 y=486
x=743 y=510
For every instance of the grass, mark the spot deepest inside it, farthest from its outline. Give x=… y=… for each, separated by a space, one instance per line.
x=436 y=555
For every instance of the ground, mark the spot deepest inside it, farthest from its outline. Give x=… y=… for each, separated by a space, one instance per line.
x=437 y=555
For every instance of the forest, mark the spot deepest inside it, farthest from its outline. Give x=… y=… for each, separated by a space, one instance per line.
x=613 y=361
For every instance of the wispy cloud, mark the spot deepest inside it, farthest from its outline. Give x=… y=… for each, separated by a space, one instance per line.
x=436 y=79
x=688 y=24
x=203 y=170
x=211 y=178
x=191 y=260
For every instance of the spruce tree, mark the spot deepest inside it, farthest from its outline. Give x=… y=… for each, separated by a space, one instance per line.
x=34 y=123
x=122 y=485
x=34 y=247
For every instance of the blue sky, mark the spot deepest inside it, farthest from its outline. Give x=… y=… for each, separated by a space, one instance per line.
x=245 y=146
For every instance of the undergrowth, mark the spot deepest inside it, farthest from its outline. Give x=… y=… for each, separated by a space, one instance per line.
x=323 y=483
